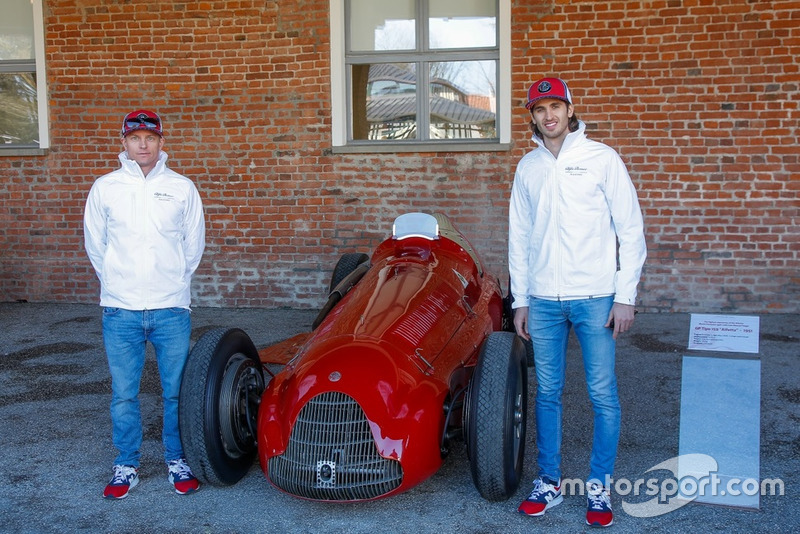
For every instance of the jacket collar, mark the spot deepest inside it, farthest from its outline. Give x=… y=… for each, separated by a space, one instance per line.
x=572 y=139
x=131 y=167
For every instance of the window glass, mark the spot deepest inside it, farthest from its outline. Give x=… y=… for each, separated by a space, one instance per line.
x=16 y=30
x=384 y=101
x=20 y=93
x=382 y=25
x=19 y=121
x=462 y=100
x=418 y=71
x=462 y=24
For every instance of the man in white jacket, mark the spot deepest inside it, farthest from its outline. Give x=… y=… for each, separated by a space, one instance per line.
x=576 y=251
x=144 y=233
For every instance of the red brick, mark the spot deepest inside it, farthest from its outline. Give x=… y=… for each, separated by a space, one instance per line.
x=700 y=98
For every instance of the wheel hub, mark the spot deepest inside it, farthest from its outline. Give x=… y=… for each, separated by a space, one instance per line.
x=240 y=395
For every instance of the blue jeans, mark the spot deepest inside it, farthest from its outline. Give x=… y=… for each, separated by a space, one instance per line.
x=549 y=323
x=125 y=334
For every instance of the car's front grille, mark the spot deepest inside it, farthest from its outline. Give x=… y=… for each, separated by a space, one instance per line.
x=332 y=455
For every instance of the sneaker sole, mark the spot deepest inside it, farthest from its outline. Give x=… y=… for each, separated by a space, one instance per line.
x=133 y=484
x=598 y=525
x=557 y=500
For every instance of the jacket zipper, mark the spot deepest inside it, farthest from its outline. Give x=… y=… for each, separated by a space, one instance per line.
x=557 y=212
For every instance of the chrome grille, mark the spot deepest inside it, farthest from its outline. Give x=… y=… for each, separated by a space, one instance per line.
x=332 y=455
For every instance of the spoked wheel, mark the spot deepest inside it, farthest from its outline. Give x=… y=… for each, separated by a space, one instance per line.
x=495 y=418
x=218 y=409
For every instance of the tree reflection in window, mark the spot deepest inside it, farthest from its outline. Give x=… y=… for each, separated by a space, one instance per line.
x=422 y=70
x=19 y=120
x=385 y=104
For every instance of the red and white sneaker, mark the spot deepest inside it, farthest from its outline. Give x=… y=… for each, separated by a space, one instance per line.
x=543 y=496
x=598 y=506
x=181 y=477
x=125 y=479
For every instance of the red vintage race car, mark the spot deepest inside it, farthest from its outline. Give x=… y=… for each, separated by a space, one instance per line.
x=410 y=351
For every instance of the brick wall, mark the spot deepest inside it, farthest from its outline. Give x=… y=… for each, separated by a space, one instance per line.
x=700 y=97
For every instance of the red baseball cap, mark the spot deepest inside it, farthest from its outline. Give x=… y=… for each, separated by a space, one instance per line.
x=548 y=88
x=141 y=119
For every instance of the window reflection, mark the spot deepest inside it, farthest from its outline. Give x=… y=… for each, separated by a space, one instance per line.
x=19 y=111
x=384 y=101
x=16 y=30
x=461 y=101
x=19 y=121
x=382 y=25
x=462 y=24
x=408 y=76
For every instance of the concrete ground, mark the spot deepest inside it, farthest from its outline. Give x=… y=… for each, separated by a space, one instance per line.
x=56 y=451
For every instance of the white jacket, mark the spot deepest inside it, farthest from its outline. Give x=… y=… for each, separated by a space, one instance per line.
x=144 y=236
x=565 y=217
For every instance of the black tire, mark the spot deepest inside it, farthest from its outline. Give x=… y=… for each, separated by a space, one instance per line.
x=346 y=265
x=218 y=408
x=495 y=418
x=348 y=271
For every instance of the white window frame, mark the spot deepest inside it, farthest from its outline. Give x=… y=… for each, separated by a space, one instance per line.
x=41 y=89
x=339 y=100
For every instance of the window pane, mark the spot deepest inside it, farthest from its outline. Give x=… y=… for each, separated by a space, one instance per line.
x=382 y=25
x=462 y=24
x=16 y=30
x=20 y=117
x=384 y=101
x=463 y=100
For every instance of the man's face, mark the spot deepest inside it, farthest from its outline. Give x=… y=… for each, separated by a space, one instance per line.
x=142 y=147
x=551 y=116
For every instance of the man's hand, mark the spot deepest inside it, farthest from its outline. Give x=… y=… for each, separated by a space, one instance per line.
x=620 y=318
x=521 y=322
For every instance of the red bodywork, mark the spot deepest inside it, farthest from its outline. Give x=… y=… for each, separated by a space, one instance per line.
x=402 y=343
